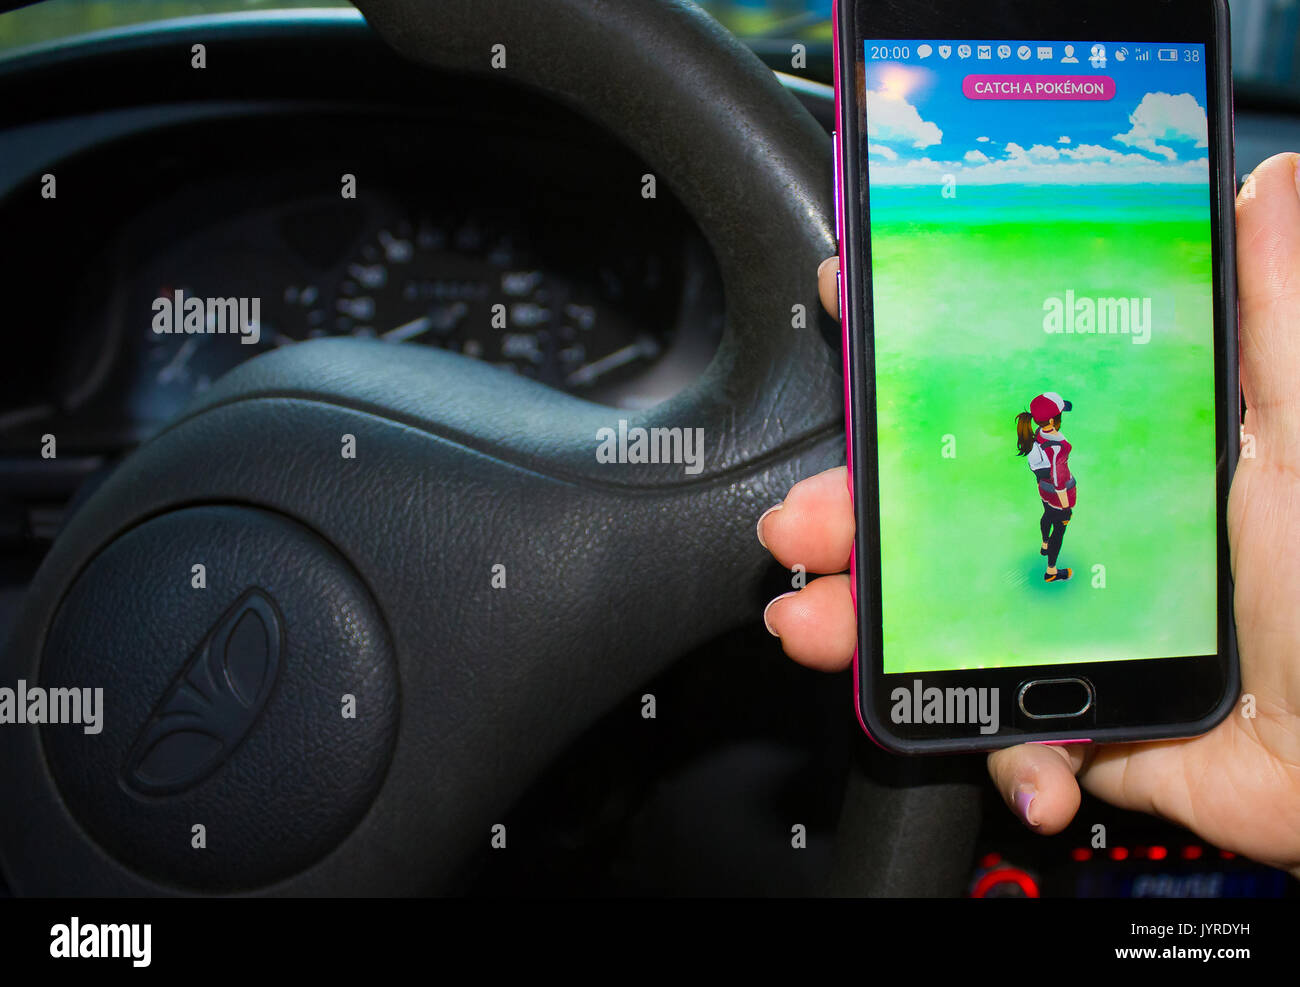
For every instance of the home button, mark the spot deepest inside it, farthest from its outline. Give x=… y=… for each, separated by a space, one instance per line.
x=1053 y=699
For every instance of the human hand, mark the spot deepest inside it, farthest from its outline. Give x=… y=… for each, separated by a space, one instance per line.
x=1238 y=786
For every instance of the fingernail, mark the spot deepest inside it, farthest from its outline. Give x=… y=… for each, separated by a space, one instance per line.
x=768 y=608
x=821 y=268
x=761 y=517
x=1025 y=796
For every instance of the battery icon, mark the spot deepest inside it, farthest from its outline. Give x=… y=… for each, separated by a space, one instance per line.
x=1167 y=54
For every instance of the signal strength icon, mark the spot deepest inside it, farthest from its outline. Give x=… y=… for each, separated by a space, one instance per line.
x=1143 y=55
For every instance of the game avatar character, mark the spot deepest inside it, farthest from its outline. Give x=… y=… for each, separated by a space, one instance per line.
x=1049 y=455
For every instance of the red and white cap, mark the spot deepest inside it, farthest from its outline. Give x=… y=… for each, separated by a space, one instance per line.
x=1047 y=406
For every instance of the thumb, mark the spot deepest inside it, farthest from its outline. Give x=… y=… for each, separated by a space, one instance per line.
x=1268 y=273
x=1038 y=783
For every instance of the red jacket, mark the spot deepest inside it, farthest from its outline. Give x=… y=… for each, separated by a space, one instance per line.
x=1050 y=460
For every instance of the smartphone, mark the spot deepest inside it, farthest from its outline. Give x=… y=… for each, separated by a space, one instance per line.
x=1035 y=216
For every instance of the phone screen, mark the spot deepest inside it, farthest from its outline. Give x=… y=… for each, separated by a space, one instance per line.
x=1042 y=293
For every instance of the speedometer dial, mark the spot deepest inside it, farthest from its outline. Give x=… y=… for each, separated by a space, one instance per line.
x=564 y=304
x=469 y=286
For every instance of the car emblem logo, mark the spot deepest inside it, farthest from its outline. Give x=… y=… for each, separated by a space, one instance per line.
x=213 y=702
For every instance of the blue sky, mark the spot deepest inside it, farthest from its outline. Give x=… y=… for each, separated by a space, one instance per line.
x=922 y=127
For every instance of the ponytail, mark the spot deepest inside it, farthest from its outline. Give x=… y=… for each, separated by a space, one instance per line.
x=1024 y=433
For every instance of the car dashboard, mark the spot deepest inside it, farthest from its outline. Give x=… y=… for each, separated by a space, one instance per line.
x=483 y=225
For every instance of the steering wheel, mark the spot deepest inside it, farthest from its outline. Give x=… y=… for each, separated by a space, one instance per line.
x=348 y=606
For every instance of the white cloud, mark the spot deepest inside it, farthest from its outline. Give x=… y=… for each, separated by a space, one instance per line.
x=1168 y=153
x=1164 y=117
x=1115 y=168
x=1159 y=119
x=1090 y=152
x=892 y=118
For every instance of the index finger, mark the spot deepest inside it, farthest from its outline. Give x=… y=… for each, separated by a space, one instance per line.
x=828 y=285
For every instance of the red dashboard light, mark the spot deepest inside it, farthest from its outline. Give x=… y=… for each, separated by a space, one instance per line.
x=1192 y=852
x=1081 y=853
x=1119 y=853
x=1157 y=853
x=1005 y=875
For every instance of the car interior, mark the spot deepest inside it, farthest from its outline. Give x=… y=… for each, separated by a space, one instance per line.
x=542 y=652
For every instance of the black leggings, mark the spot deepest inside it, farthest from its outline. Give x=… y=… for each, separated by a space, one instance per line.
x=1052 y=526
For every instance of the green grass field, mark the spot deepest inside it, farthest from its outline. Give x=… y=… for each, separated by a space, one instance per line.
x=960 y=349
